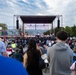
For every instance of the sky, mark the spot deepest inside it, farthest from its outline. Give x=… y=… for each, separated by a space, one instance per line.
x=66 y=8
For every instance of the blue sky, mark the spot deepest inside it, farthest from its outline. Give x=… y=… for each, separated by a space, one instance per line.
x=66 y=8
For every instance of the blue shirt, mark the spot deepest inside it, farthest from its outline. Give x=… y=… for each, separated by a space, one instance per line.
x=74 y=57
x=9 y=66
x=2 y=47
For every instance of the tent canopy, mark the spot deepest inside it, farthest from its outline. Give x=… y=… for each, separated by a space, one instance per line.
x=37 y=19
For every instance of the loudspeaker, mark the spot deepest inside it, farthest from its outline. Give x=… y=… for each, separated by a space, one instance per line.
x=58 y=23
x=17 y=24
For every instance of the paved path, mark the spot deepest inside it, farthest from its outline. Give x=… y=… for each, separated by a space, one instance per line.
x=46 y=74
x=73 y=73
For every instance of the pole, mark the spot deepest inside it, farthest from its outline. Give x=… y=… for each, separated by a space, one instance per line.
x=52 y=28
x=62 y=21
x=35 y=26
x=23 y=30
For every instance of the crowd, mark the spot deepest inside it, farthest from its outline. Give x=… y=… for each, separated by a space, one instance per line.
x=59 y=52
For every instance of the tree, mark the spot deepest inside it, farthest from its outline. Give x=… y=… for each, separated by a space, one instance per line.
x=74 y=30
x=68 y=30
x=4 y=26
x=57 y=29
x=47 y=32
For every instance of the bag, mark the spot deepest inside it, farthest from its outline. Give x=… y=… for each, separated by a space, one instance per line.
x=73 y=66
x=42 y=63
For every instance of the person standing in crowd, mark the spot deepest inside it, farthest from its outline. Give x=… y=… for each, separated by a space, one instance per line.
x=13 y=45
x=60 y=56
x=31 y=59
x=9 y=66
x=74 y=54
x=17 y=55
x=2 y=48
x=21 y=51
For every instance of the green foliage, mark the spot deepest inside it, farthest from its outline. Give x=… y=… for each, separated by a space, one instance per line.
x=4 y=26
x=47 y=32
x=26 y=33
x=70 y=30
x=74 y=30
x=58 y=29
x=55 y=30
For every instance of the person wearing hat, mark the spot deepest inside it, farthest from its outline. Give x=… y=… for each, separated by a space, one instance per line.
x=60 y=56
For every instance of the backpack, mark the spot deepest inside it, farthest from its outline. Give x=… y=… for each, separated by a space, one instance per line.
x=43 y=62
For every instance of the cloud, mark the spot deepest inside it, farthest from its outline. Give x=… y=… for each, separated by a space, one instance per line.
x=69 y=13
x=66 y=8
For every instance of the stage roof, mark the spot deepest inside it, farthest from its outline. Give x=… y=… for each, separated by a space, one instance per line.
x=37 y=19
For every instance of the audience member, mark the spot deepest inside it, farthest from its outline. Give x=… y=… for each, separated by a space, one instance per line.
x=17 y=55
x=31 y=59
x=60 y=56
x=3 y=48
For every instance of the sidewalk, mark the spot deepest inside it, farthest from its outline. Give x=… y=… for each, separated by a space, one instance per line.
x=46 y=74
x=73 y=73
